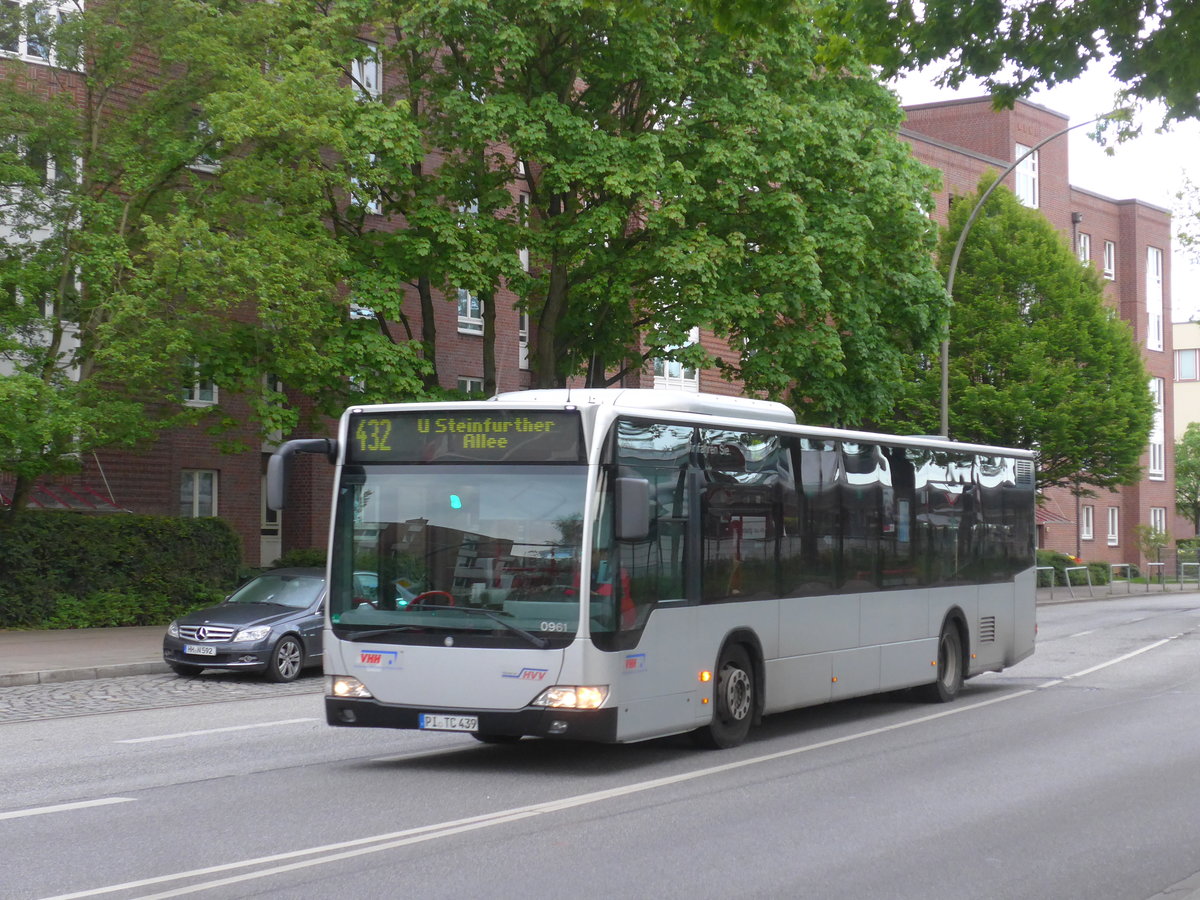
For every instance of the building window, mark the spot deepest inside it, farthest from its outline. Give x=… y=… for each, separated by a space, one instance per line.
x=470 y=312
x=1114 y=526
x=470 y=385
x=1185 y=365
x=1158 y=519
x=1026 y=177
x=197 y=493
x=1110 y=260
x=366 y=73
x=201 y=392
x=1154 y=298
x=523 y=339
x=1158 y=460
x=1083 y=246
x=671 y=374
x=1087 y=522
x=27 y=29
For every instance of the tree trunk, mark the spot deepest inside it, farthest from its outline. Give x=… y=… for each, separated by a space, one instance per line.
x=488 y=301
x=428 y=332
x=544 y=363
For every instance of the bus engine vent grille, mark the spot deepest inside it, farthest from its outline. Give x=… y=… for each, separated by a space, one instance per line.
x=1024 y=471
x=987 y=630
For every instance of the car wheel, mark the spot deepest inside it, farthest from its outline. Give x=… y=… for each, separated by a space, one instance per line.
x=184 y=669
x=733 y=699
x=287 y=659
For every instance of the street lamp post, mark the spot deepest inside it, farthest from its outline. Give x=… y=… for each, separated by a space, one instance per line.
x=962 y=237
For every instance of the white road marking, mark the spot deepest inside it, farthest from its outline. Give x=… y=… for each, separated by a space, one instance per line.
x=186 y=734
x=377 y=843
x=64 y=807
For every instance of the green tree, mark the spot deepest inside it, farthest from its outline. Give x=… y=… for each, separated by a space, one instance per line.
x=1187 y=475
x=1153 y=46
x=677 y=175
x=165 y=218
x=1036 y=357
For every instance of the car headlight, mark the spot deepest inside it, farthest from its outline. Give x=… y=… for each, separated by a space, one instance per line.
x=173 y=629
x=570 y=696
x=346 y=686
x=257 y=633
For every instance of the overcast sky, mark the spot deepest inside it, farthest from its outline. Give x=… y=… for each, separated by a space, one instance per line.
x=1150 y=168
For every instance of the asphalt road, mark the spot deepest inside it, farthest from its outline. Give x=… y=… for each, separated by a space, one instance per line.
x=1075 y=774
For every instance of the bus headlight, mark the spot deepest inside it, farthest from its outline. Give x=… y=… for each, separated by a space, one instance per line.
x=347 y=686
x=566 y=696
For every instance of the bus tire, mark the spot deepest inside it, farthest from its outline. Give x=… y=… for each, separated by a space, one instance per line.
x=733 y=701
x=287 y=659
x=950 y=665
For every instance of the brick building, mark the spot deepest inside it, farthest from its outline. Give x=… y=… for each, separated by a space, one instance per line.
x=1127 y=240
x=184 y=472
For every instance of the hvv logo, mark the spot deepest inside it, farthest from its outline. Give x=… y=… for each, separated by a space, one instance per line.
x=527 y=674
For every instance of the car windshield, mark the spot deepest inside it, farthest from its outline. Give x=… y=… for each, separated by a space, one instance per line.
x=486 y=555
x=295 y=591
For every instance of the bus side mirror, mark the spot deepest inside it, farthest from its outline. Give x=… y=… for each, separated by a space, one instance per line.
x=632 y=509
x=279 y=466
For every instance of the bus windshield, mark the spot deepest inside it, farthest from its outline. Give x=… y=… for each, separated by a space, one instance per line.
x=458 y=555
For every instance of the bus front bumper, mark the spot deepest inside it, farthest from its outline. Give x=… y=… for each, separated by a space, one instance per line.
x=569 y=724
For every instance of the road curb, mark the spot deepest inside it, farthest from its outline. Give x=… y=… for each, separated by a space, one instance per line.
x=86 y=673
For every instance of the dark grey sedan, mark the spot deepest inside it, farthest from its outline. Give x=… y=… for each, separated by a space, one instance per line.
x=271 y=624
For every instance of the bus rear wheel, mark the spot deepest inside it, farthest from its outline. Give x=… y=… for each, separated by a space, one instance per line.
x=949 y=679
x=733 y=702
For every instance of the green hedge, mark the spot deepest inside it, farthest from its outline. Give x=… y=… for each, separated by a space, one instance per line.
x=72 y=570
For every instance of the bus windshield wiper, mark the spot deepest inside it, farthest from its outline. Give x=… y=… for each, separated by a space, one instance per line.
x=376 y=632
x=540 y=642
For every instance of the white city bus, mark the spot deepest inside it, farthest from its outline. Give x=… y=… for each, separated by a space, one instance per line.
x=616 y=565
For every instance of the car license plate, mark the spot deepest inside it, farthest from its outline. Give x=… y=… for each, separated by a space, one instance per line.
x=442 y=722
x=199 y=650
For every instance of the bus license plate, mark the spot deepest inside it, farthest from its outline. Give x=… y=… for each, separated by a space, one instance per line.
x=199 y=650
x=441 y=722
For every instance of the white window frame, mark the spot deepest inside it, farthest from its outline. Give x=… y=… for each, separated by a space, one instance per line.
x=1110 y=260
x=523 y=339
x=1158 y=519
x=1157 y=470
x=1083 y=247
x=1114 y=526
x=672 y=375
x=366 y=73
x=1154 y=298
x=54 y=12
x=1025 y=177
x=191 y=491
x=1189 y=371
x=470 y=313
x=201 y=392
x=468 y=384
x=1087 y=523
x=204 y=162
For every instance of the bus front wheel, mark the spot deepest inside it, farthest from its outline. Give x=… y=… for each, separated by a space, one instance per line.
x=733 y=701
x=949 y=679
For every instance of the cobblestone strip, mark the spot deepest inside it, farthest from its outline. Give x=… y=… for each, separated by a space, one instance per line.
x=32 y=702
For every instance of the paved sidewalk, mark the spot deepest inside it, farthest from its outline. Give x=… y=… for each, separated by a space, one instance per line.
x=48 y=657
x=51 y=657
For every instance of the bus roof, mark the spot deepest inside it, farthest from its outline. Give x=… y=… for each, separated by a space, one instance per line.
x=670 y=401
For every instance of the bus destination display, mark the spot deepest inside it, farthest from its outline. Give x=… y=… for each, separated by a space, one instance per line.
x=466 y=436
